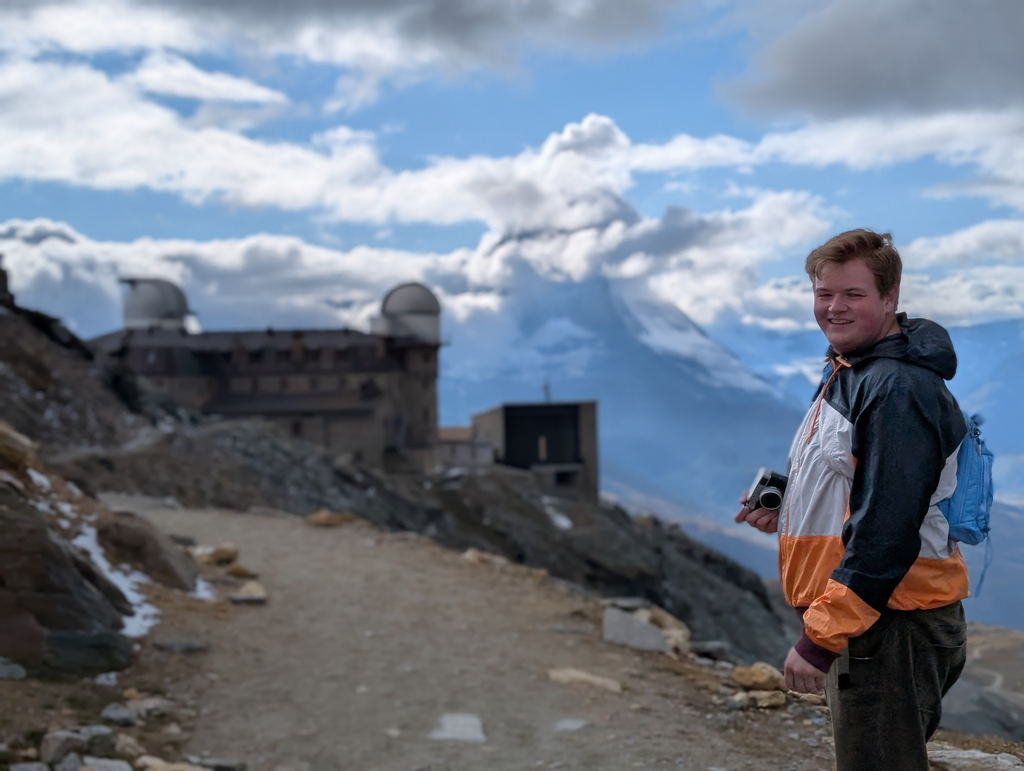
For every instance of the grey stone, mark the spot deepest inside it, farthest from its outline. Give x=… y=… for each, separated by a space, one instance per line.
x=626 y=603
x=972 y=760
x=154 y=706
x=71 y=763
x=101 y=745
x=719 y=650
x=29 y=767
x=57 y=744
x=91 y=731
x=216 y=764
x=624 y=628
x=132 y=539
x=9 y=670
x=119 y=714
x=105 y=764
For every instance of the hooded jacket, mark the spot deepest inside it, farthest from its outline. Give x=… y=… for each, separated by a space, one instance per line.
x=859 y=530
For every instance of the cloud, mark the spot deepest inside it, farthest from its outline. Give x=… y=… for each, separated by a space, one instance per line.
x=163 y=73
x=855 y=57
x=371 y=40
x=992 y=240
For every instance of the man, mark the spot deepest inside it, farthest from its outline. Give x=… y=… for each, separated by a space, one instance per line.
x=864 y=553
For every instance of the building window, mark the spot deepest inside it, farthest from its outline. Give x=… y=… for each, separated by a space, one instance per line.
x=314 y=384
x=297 y=428
x=284 y=384
x=542 y=448
x=565 y=478
x=426 y=414
x=255 y=357
x=255 y=385
x=284 y=356
x=151 y=358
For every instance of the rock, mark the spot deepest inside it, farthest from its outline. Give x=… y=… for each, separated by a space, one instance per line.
x=760 y=677
x=182 y=540
x=250 y=593
x=128 y=747
x=71 y=763
x=150 y=761
x=570 y=724
x=91 y=732
x=187 y=647
x=119 y=714
x=328 y=518
x=152 y=706
x=241 y=571
x=677 y=634
x=476 y=557
x=56 y=607
x=131 y=694
x=137 y=541
x=459 y=727
x=16 y=449
x=626 y=603
x=969 y=760
x=217 y=764
x=719 y=650
x=571 y=675
x=221 y=555
x=29 y=767
x=622 y=628
x=11 y=671
x=103 y=764
x=101 y=745
x=768 y=699
x=56 y=745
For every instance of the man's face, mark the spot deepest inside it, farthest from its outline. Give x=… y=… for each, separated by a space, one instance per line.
x=848 y=307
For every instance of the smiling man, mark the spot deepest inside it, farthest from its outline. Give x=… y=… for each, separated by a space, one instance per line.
x=864 y=552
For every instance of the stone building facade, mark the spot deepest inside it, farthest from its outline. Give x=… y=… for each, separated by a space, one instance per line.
x=370 y=396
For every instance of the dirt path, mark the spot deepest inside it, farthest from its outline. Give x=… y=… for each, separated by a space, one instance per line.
x=369 y=639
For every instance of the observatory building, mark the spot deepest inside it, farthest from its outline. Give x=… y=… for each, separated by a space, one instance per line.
x=373 y=396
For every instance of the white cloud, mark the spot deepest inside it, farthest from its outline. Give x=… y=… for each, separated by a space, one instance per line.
x=991 y=240
x=163 y=73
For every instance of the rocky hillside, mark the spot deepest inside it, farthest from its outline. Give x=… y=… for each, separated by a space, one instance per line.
x=599 y=546
x=96 y=431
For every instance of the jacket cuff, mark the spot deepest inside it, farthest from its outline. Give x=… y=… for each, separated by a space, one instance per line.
x=814 y=654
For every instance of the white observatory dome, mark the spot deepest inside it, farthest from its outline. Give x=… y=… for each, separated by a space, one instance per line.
x=154 y=302
x=410 y=298
x=410 y=310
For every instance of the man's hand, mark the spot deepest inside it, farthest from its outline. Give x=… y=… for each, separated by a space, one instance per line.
x=764 y=520
x=801 y=676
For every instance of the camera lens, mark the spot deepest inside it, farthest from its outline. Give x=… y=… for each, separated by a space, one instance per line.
x=770 y=498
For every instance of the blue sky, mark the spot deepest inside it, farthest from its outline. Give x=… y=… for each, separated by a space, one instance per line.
x=288 y=162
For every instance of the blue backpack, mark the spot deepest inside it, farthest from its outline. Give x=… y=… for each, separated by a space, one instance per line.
x=969 y=508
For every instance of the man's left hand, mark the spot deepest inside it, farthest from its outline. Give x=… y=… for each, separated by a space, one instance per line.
x=801 y=676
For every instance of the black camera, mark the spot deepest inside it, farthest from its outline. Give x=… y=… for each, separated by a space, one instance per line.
x=767 y=490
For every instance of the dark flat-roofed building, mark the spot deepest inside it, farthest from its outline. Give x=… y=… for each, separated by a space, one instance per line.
x=372 y=396
x=557 y=441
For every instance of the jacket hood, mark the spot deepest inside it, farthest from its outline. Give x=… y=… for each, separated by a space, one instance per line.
x=920 y=341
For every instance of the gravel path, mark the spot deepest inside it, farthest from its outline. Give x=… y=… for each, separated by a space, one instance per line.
x=370 y=639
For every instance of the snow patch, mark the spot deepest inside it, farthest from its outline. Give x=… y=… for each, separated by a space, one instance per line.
x=145 y=615
x=558 y=519
x=40 y=480
x=203 y=590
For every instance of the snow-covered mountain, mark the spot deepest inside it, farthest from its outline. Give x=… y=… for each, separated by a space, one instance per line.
x=678 y=412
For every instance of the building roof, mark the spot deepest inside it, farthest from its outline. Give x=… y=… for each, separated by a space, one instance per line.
x=153 y=302
x=218 y=342
x=410 y=299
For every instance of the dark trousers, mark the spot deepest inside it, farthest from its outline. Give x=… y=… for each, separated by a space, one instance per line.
x=886 y=690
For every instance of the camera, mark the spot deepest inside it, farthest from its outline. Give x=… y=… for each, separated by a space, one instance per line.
x=767 y=490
